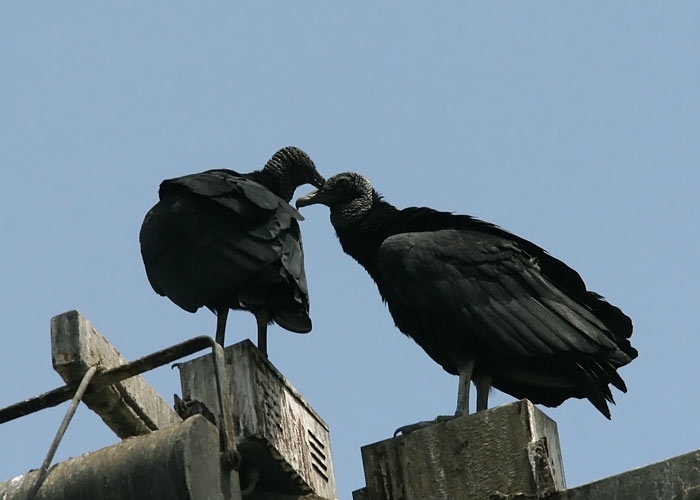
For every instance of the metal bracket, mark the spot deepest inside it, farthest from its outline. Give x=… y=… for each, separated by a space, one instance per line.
x=136 y=367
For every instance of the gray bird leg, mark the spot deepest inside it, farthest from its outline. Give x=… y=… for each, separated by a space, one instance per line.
x=465 y=377
x=221 y=315
x=262 y=318
x=483 y=386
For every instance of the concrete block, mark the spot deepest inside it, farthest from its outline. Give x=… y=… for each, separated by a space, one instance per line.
x=129 y=408
x=507 y=451
x=278 y=433
x=360 y=494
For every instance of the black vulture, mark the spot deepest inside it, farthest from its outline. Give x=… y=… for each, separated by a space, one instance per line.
x=227 y=240
x=483 y=303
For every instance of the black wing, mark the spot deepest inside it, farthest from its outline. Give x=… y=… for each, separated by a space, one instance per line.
x=464 y=293
x=217 y=238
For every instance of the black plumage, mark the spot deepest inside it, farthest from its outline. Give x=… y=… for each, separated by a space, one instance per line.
x=485 y=304
x=227 y=240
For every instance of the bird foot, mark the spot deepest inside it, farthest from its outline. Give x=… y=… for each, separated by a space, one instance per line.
x=251 y=480
x=407 y=429
x=187 y=408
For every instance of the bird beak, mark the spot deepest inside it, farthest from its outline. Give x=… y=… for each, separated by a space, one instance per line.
x=318 y=180
x=312 y=198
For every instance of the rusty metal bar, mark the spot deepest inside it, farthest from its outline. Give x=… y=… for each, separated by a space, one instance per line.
x=136 y=367
x=61 y=431
x=107 y=377
x=231 y=457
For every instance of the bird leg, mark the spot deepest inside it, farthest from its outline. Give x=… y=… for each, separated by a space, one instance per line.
x=465 y=376
x=262 y=317
x=483 y=386
x=221 y=315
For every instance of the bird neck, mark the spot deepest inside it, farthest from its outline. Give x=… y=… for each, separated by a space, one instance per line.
x=362 y=235
x=274 y=179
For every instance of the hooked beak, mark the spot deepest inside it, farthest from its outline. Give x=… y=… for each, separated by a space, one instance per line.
x=312 y=198
x=318 y=180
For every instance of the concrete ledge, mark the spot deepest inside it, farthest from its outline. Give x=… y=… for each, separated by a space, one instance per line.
x=512 y=450
x=676 y=478
x=177 y=463
x=129 y=408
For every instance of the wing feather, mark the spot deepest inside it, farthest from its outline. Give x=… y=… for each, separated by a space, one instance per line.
x=217 y=234
x=492 y=289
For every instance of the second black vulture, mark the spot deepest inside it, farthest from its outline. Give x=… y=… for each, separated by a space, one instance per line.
x=227 y=240
x=483 y=303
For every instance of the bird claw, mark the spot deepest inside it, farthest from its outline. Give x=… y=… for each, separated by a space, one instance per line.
x=187 y=408
x=407 y=429
x=251 y=480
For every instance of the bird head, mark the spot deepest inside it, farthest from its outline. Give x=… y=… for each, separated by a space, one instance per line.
x=297 y=166
x=348 y=195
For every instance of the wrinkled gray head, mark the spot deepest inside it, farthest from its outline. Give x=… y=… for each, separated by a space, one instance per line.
x=290 y=168
x=349 y=195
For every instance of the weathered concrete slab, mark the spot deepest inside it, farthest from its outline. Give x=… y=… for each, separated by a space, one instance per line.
x=676 y=478
x=278 y=433
x=129 y=408
x=360 y=494
x=504 y=452
x=262 y=495
x=179 y=463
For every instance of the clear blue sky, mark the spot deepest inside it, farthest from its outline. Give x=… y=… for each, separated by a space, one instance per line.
x=575 y=126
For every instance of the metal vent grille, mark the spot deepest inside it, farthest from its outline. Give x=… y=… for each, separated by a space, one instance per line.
x=318 y=456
